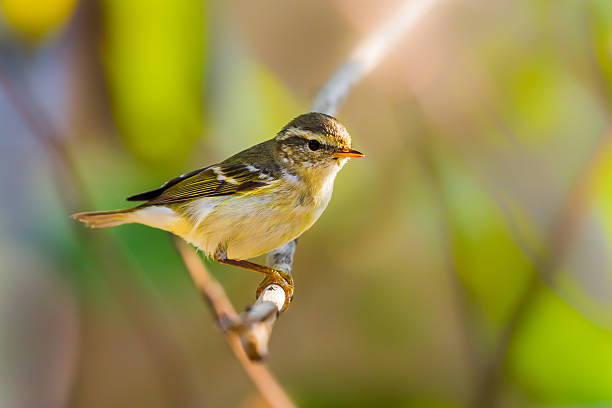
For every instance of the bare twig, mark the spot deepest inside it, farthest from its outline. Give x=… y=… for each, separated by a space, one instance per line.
x=560 y=240
x=227 y=319
x=260 y=318
x=368 y=54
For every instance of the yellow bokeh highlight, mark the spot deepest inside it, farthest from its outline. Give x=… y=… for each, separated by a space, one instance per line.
x=36 y=18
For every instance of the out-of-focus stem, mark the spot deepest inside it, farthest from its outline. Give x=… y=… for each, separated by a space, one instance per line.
x=179 y=386
x=560 y=240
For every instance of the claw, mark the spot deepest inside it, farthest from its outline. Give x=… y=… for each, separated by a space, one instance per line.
x=282 y=279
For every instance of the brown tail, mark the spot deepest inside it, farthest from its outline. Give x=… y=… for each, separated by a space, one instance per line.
x=105 y=218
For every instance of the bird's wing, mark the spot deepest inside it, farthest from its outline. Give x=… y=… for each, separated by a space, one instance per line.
x=214 y=181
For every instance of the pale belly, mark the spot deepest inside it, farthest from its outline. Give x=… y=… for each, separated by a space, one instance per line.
x=248 y=226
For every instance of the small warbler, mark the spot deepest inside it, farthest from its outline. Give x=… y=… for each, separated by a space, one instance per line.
x=252 y=202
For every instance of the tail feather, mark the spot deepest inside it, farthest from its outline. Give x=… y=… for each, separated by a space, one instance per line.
x=105 y=219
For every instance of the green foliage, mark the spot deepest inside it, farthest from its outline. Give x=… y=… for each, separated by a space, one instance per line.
x=601 y=18
x=489 y=261
x=561 y=357
x=155 y=55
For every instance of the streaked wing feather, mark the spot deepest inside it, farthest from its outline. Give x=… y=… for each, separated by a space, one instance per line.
x=149 y=195
x=214 y=181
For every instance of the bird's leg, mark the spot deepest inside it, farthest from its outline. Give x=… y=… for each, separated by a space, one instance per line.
x=281 y=278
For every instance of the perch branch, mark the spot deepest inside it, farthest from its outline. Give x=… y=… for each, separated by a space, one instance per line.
x=227 y=319
x=255 y=325
x=257 y=321
x=368 y=54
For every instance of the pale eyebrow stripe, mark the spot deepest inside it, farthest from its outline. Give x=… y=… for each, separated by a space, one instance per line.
x=293 y=131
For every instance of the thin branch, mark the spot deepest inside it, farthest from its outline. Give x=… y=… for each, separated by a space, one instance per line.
x=257 y=321
x=369 y=53
x=255 y=325
x=227 y=318
x=560 y=240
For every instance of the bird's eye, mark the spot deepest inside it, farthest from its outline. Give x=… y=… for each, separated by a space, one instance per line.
x=314 y=144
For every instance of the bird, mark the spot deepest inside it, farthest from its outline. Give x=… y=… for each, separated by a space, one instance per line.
x=251 y=203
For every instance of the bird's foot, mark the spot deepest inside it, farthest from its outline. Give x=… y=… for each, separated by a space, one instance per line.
x=282 y=279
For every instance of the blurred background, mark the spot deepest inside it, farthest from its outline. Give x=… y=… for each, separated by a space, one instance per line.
x=465 y=262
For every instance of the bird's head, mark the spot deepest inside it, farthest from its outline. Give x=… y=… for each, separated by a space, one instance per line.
x=314 y=142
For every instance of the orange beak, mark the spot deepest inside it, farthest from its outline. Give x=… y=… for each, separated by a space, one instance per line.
x=348 y=153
